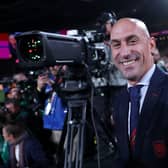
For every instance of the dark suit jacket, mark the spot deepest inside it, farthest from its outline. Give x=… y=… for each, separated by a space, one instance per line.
x=151 y=149
x=33 y=154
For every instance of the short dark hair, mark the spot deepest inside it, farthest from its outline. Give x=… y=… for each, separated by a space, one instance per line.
x=106 y=16
x=14 y=128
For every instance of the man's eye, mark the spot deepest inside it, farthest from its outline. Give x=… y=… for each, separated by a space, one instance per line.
x=115 y=45
x=132 y=42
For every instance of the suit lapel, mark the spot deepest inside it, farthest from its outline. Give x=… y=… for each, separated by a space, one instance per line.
x=148 y=113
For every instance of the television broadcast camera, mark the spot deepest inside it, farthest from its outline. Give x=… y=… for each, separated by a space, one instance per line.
x=87 y=62
x=36 y=49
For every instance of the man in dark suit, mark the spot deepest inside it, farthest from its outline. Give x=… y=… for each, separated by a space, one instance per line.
x=24 y=150
x=131 y=47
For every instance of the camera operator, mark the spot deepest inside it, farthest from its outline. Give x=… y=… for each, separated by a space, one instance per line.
x=52 y=106
x=105 y=23
x=103 y=101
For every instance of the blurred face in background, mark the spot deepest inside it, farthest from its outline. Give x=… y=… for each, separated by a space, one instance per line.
x=131 y=48
x=108 y=26
x=14 y=93
x=12 y=40
x=20 y=77
x=156 y=55
x=12 y=107
x=54 y=69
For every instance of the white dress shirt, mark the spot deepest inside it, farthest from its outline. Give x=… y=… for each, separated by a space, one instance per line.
x=145 y=82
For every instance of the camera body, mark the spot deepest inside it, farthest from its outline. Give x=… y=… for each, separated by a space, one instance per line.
x=36 y=49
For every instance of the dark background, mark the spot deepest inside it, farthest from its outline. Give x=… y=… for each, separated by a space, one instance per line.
x=52 y=15
x=55 y=15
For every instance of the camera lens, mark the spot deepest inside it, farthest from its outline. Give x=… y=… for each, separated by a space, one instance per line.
x=31 y=48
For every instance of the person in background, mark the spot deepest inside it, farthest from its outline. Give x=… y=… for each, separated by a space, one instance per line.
x=48 y=97
x=24 y=150
x=116 y=80
x=12 y=45
x=165 y=59
x=140 y=111
x=12 y=50
x=103 y=101
x=20 y=77
x=158 y=60
x=105 y=23
x=14 y=111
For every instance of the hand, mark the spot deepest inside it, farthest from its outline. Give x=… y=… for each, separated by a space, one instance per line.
x=42 y=80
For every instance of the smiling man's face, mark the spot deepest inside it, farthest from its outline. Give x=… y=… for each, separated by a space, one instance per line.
x=131 y=48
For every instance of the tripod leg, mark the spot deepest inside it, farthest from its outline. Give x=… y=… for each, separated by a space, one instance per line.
x=75 y=131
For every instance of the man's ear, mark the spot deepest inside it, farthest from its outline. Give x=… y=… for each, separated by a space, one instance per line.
x=152 y=44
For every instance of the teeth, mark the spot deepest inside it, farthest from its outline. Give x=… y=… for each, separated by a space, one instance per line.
x=128 y=62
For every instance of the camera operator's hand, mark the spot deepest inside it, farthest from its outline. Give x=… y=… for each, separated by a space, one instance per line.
x=42 y=80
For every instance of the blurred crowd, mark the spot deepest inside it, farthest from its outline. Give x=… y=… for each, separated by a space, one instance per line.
x=28 y=135
x=23 y=99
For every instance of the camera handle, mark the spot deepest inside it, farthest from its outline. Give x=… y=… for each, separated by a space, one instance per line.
x=75 y=133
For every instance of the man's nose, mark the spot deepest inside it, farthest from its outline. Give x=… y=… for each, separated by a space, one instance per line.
x=124 y=50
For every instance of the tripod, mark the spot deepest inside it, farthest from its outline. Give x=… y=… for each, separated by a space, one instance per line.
x=75 y=133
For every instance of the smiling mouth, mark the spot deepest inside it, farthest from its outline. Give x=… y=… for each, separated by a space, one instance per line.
x=128 y=62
